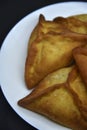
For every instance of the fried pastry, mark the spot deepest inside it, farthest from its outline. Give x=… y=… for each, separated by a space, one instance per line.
x=56 y=65
x=57 y=104
x=51 y=52
x=55 y=101
x=80 y=56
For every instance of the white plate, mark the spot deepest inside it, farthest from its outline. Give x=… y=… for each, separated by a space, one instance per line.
x=13 y=55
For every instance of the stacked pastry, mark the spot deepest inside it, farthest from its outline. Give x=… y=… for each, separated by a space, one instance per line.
x=56 y=67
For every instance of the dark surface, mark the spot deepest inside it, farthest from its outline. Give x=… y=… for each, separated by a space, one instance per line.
x=11 y=11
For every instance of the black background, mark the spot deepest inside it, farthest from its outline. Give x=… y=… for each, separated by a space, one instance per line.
x=11 y=11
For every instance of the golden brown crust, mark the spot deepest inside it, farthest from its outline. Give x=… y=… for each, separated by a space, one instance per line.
x=58 y=105
x=80 y=56
x=79 y=91
x=63 y=102
x=72 y=24
x=81 y=17
x=48 y=52
x=60 y=91
x=56 y=77
x=50 y=43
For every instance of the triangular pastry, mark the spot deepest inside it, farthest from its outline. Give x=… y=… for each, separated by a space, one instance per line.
x=55 y=101
x=51 y=52
x=58 y=105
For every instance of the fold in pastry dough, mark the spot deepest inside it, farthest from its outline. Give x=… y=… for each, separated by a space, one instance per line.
x=80 y=56
x=55 y=100
x=44 y=26
x=72 y=24
x=79 y=91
